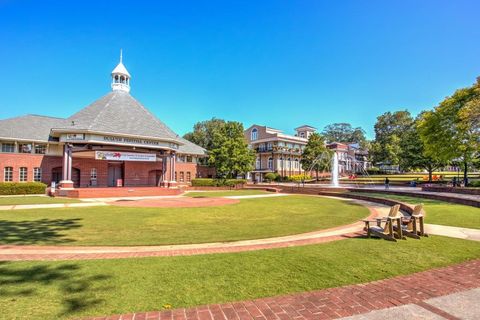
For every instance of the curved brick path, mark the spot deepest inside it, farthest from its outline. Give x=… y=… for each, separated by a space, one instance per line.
x=414 y=290
x=21 y=253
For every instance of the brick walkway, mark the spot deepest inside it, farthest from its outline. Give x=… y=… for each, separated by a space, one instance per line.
x=336 y=302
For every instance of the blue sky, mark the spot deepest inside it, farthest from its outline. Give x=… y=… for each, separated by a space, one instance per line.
x=278 y=63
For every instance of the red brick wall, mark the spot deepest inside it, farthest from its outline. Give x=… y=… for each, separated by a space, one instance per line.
x=30 y=161
x=185 y=167
x=141 y=173
x=135 y=173
x=205 y=172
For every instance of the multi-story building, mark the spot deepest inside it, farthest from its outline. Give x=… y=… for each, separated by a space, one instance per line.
x=276 y=152
x=351 y=158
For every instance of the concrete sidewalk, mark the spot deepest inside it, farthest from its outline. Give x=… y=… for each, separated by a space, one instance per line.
x=461 y=305
x=454 y=232
x=52 y=205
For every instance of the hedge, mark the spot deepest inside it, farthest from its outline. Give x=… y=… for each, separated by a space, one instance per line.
x=13 y=188
x=203 y=182
x=474 y=184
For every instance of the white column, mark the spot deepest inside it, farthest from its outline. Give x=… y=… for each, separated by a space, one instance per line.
x=65 y=163
x=69 y=167
x=173 y=167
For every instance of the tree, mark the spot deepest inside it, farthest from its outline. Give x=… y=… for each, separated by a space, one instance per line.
x=312 y=152
x=450 y=132
x=389 y=131
x=204 y=131
x=413 y=155
x=229 y=152
x=345 y=133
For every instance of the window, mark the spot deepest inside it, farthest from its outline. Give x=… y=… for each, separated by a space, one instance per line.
x=254 y=134
x=189 y=176
x=8 y=174
x=40 y=148
x=8 y=147
x=270 y=163
x=302 y=134
x=182 y=176
x=37 y=174
x=289 y=163
x=175 y=176
x=93 y=174
x=23 y=174
x=269 y=146
x=297 y=164
x=189 y=159
x=25 y=148
x=257 y=163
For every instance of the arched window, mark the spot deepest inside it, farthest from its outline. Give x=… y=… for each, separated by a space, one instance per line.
x=254 y=134
x=297 y=164
x=289 y=163
x=116 y=79
x=257 y=163
x=270 y=163
x=122 y=79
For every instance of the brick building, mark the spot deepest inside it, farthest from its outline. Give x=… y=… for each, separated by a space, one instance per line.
x=115 y=141
x=276 y=152
x=281 y=153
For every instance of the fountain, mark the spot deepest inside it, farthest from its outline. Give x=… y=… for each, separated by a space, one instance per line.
x=334 y=182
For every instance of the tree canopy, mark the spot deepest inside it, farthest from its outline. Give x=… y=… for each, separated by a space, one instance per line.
x=413 y=155
x=345 y=133
x=204 y=131
x=450 y=132
x=229 y=152
x=390 y=129
x=313 y=150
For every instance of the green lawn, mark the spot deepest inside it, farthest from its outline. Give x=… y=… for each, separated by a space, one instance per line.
x=440 y=212
x=60 y=290
x=6 y=201
x=226 y=193
x=112 y=225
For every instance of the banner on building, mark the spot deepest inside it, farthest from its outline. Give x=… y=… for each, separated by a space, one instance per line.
x=125 y=156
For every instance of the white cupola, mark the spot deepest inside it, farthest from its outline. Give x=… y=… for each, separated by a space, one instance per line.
x=120 y=77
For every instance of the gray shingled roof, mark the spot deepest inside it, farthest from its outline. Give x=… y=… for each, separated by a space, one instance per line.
x=119 y=112
x=116 y=112
x=29 y=127
x=191 y=148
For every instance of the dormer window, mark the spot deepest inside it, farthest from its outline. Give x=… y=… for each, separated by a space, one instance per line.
x=254 y=134
x=302 y=134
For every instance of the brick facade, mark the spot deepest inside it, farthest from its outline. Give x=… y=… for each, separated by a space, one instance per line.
x=135 y=173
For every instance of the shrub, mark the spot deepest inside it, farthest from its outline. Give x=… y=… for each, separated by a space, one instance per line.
x=203 y=182
x=474 y=184
x=299 y=178
x=13 y=188
x=270 y=176
x=373 y=170
x=232 y=182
